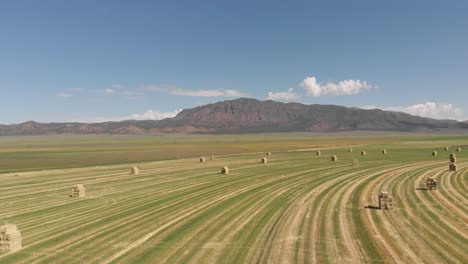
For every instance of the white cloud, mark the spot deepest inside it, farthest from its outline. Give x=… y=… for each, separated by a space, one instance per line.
x=148 y=115
x=70 y=92
x=429 y=109
x=198 y=93
x=121 y=91
x=117 y=86
x=64 y=95
x=289 y=95
x=346 y=87
x=76 y=89
x=155 y=115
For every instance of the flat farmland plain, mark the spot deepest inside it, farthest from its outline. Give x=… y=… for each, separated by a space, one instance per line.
x=298 y=208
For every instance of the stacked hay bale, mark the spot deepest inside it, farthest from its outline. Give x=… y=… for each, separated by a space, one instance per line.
x=78 y=191
x=384 y=151
x=453 y=167
x=363 y=153
x=319 y=153
x=334 y=158
x=434 y=153
x=10 y=238
x=355 y=163
x=453 y=162
x=225 y=170
x=385 y=201
x=453 y=158
x=135 y=171
x=431 y=183
x=264 y=160
x=202 y=159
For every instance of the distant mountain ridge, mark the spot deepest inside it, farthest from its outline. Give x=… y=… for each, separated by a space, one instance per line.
x=251 y=116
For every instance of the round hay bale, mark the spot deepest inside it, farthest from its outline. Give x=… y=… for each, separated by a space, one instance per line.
x=384 y=151
x=225 y=170
x=202 y=159
x=350 y=150
x=458 y=149
x=363 y=153
x=212 y=157
x=268 y=153
x=334 y=158
x=446 y=148
x=453 y=158
x=264 y=160
x=319 y=153
x=434 y=153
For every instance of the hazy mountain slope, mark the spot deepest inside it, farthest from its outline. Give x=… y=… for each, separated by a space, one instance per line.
x=250 y=116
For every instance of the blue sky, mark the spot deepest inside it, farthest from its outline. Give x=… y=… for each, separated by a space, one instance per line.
x=113 y=60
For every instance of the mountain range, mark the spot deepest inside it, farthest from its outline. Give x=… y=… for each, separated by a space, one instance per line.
x=251 y=116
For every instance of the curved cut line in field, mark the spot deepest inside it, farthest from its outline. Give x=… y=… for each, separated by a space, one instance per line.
x=390 y=247
x=418 y=236
x=300 y=208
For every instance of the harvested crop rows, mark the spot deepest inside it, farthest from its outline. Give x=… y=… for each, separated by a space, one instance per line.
x=298 y=208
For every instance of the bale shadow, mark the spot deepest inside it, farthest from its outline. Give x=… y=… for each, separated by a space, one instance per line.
x=372 y=207
x=420 y=189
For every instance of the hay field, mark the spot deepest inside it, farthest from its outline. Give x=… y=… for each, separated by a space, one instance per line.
x=298 y=208
x=26 y=153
